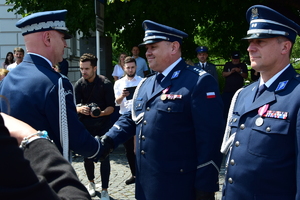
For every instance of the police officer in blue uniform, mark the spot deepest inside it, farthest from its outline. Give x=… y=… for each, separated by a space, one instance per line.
x=41 y=97
x=262 y=136
x=202 y=54
x=177 y=121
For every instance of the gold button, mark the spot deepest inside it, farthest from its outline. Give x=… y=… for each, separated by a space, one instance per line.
x=242 y=126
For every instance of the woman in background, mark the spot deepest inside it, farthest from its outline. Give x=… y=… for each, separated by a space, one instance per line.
x=118 y=69
x=9 y=59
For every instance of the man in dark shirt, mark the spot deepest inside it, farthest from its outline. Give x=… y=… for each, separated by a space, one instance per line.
x=98 y=90
x=234 y=72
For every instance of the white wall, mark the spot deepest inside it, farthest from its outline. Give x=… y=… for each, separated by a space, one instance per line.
x=10 y=35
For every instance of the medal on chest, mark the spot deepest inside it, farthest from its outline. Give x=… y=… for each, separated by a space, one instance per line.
x=261 y=111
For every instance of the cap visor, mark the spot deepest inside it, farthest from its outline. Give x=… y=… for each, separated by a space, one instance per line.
x=259 y=36
x=150 y=42
x=67 y=35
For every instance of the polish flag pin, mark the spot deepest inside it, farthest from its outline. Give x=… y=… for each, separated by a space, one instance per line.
x=211 y=95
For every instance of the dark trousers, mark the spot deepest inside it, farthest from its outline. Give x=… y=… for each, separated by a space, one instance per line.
x=97 y=126
x=104 y=170
x=129 y=147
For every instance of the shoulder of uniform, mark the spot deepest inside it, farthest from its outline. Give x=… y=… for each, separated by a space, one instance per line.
x=249 y=84
x=297 y=77
x=196 y=70
x=150 y=75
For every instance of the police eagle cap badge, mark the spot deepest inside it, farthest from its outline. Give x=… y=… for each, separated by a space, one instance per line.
x=254 y=13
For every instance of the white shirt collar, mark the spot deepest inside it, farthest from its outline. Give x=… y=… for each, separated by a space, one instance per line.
x=167 y=71
x=42 y=57
x=271 y=80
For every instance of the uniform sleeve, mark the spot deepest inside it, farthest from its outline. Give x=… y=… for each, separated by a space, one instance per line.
x=122 y=130
x=207 y=113
x=80 y=140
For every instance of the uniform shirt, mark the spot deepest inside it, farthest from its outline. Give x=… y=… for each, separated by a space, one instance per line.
x=118 y=89
x=234 y=81
x=100 y=91
x=141 y=66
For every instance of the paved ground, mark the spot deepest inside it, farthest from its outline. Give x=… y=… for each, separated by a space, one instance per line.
x=120 y=172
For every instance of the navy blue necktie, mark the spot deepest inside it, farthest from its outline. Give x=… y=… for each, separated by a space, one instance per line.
x=158 y=79
x=203 y=66
x=260 y=90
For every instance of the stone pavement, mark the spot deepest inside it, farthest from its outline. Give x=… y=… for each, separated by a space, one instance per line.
x=120 y=172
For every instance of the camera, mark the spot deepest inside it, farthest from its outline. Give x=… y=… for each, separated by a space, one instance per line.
x=94 y=109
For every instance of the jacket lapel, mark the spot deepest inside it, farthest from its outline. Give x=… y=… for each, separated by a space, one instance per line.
x=270 y=94
x=167 y=81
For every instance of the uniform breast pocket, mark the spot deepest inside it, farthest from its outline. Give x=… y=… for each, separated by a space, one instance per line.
x=138 y=105
x=171 y=113
x=271 y=139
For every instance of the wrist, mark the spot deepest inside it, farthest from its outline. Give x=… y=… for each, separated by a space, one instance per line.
x=38 y=135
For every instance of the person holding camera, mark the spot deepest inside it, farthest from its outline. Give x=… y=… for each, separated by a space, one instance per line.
x=95 y=102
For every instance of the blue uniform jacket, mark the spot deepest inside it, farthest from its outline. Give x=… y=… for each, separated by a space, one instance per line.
x=265 y=163
x=210 y=68
x=178 y=140
x=32 y=93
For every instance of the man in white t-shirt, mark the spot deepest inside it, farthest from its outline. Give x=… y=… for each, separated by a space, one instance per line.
x=142 y=68
x=18 y=55
x=124 y=89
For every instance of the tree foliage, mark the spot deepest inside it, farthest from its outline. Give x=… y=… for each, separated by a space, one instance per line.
x=219 y=24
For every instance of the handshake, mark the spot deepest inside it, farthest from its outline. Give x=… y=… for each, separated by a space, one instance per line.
x=107 y=146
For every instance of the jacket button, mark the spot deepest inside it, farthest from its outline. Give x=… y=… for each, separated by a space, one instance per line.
x=181 y=170
x=237 y=143
x=169 y=109
x=232 y=162
x=242 y=126
x=230 y=180
x=145 y=122
x=148 y=108
x=143 y=137
x=143 y=152
x=268 y=129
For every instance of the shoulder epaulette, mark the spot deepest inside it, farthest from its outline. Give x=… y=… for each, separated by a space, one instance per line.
x=196 y=70
x=249 y=84
x=297 y=77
